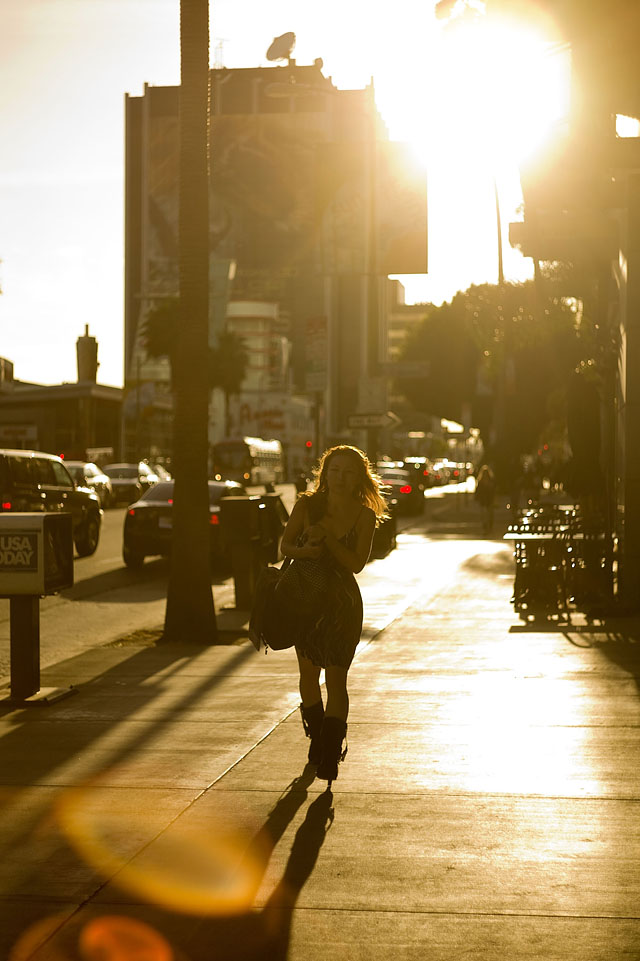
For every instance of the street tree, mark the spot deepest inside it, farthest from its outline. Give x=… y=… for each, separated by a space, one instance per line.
x=227 y=361
x=591 y=398
x=505 y=354
x=161 y=330
x=227 y=368
x=443 y=341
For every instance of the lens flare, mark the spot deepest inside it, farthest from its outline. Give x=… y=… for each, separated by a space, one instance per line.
x=118 y=938
x=107 y=938
x=35 y=936
x=186 y=869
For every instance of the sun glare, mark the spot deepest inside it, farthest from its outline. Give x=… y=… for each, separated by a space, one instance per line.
x=497 y=91
x=502 y=89
x=475 y=100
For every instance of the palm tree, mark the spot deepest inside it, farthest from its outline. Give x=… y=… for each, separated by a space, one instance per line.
x=190 y=614
x=228 y=368
x=161 y=330
x=227 y=363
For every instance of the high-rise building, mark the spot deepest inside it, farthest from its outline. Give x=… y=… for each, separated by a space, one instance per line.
x=304 y=200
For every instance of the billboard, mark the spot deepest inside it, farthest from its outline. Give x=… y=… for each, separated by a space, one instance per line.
x=160 y=269
x=284 y=202
x=371 y=209
x=343 y=207
x=261 y=197
x=400 y=211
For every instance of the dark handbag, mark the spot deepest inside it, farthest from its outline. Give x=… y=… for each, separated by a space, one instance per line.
x=288 y=600
x=262 y=629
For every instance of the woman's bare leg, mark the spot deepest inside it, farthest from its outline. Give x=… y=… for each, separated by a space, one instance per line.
x=337 y=696
x=309 y=681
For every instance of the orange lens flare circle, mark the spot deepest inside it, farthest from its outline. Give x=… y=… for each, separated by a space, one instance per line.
x=118 y=938
x=107 y=938
x=210 y=871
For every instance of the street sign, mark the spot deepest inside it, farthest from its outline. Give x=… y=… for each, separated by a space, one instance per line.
x=373 y=419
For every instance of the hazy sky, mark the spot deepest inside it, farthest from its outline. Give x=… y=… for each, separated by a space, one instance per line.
x=65 y=66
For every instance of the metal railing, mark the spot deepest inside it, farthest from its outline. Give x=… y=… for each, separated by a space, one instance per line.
x=564 y=561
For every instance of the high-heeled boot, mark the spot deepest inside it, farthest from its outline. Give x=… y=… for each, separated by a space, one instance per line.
x=334 y=732
x=312 y=724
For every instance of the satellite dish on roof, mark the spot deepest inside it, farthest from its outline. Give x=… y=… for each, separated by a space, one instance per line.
x=282 y=47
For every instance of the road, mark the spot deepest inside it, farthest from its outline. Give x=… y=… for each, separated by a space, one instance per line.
x=109 y=601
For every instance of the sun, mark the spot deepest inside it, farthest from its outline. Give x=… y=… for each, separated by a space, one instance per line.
x=490 y=89
x=507 y=87
x=475 y=100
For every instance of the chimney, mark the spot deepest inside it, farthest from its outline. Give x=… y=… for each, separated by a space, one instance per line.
x=87 y=354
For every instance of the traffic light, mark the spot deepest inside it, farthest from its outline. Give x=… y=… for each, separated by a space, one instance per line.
x=308 y=444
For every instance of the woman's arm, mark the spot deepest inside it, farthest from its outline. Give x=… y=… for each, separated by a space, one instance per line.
x=295 y=527
x=354 y=560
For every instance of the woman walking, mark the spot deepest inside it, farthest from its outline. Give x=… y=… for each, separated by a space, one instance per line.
x=329 y=536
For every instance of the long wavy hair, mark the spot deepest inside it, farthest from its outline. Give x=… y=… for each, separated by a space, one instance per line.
x=367 y=492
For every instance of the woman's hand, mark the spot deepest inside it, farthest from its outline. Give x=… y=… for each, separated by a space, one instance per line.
x=313 y=545
x=311 y=550
x=315 y=534
x=353 y=559
x=298 y=541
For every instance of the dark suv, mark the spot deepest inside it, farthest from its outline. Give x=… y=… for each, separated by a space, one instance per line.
x=33 y=481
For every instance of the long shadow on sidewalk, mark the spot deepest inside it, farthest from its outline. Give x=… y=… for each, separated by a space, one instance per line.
x=616 y=638
x=154 y=572
x=250 y=935
x=45 y=739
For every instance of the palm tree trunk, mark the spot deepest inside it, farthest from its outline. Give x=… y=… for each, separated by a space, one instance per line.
x=190 y=614
x=227 y=414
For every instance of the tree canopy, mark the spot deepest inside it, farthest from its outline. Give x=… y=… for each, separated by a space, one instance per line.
x=500 y=351
x=227 y=361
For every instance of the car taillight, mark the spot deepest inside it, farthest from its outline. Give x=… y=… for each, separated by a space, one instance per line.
x=170 y=501
x=406 y=489
x=6 y=505
x=456 y=473
x=214 y=519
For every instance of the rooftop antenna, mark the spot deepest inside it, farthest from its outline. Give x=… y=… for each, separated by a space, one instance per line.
x=218 y=53
x=282 y=47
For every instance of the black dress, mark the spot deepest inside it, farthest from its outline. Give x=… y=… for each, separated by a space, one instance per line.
x=328 y=633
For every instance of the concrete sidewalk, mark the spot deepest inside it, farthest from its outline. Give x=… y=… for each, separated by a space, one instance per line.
x=487 y=808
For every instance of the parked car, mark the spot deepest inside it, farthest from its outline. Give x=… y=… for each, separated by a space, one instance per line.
x=403 y=487
x=441 y=473
x=130 y=481
x=420 y=469
x=34 y=481
x=148 y=522
x=457 y=471
x=425 y=467
x=86 y=474
x=384 y=536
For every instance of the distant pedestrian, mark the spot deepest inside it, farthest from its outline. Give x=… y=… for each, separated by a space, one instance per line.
x=329 y=537
x=484 y=495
